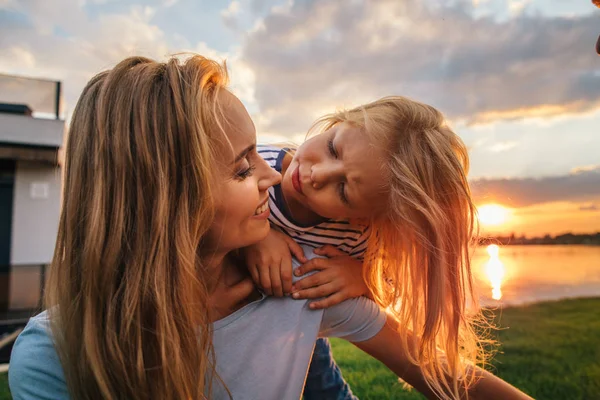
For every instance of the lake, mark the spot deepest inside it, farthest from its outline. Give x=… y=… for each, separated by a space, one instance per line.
x=509 y=275
x=504 y=275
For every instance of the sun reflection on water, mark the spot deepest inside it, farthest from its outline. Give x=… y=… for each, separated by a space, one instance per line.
x=494 y=269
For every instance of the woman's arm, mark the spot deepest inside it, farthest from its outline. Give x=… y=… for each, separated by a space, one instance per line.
x=386 y=346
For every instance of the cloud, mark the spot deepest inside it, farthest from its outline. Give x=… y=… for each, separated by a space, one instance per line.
x=517 y=6
x=230 y=14
x=502 y=146
x=318 y=55
x=86 y=47
x=583 y=185
x=545 y=112
x=60 y=40
x=590 y=207
x=585 y=168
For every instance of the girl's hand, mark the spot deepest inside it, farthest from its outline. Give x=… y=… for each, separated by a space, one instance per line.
x=339 y=278
x=270 y=262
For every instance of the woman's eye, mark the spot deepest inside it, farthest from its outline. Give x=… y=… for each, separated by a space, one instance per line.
x=245 y=172
x=331 y=148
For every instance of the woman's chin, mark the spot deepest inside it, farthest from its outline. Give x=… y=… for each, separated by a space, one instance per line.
x=259 y=234
x=265 y=232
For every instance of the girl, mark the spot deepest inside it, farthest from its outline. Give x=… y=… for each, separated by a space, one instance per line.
x=386 y=183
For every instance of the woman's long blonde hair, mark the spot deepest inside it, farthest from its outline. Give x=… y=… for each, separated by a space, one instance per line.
x=126 y=295
x=418 y=257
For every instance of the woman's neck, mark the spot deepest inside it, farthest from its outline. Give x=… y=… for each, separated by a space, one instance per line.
x=229 y=285
x=298 y=211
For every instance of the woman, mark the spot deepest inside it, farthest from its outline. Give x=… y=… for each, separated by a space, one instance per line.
x=146 y=299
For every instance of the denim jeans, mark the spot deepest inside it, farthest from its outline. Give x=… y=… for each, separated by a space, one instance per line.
x=324 y=380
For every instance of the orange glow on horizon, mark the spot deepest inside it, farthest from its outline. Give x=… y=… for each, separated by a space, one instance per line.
x=492 y=214
x=553 y=218
x=544 y=111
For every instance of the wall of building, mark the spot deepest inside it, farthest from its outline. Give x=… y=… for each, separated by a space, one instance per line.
x=36 y=209
x=25 y=130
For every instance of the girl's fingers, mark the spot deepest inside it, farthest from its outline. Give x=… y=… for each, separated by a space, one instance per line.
x=316 y=264
x=276 y=284
x=327 y=302
x=265 y=280
x=329 y=251
x=254 y=274
x=286 y=275
x=310 y=281
x=315 y=292
x=296 y=250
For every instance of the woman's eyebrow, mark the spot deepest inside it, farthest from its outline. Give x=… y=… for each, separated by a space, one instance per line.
x=244 y=153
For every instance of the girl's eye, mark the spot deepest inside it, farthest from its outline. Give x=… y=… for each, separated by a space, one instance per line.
x=342 y=193
x=332 y=150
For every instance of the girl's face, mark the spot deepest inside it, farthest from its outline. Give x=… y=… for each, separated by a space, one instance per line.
x=337 y=174
x=241 y=198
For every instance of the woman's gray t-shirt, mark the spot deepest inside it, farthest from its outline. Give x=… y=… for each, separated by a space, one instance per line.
x=263 y=350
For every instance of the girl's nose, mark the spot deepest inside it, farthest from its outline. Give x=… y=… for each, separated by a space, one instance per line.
x=323 y=173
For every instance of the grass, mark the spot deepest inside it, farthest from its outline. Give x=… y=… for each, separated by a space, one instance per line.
x=4 y=393
x=549 y=350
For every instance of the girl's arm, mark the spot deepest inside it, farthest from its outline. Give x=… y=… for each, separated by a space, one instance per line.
x=386 y=346
x=270 y=262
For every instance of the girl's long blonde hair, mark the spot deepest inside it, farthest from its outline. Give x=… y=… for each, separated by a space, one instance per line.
x=126 y=294
x=418 y=257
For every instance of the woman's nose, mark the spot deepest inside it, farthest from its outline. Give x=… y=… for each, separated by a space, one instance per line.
x=269 y=177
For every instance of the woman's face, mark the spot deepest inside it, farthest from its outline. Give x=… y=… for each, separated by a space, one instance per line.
x=241 y=197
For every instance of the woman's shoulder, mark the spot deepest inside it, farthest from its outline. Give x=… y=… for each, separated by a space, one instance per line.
x=35 y=339
x=356 y=320
x=35 y=371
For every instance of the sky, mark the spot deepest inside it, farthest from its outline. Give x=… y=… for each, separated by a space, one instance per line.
x=518 y=80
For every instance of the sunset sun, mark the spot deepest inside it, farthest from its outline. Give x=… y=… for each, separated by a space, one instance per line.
x=492 y=214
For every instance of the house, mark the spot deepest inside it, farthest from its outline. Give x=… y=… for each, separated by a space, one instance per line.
x=31 y=133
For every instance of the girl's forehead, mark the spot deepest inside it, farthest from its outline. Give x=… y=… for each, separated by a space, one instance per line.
x=361 y=139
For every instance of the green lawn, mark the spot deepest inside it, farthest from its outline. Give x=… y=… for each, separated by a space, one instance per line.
x=4 y=393
x=549 y=350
